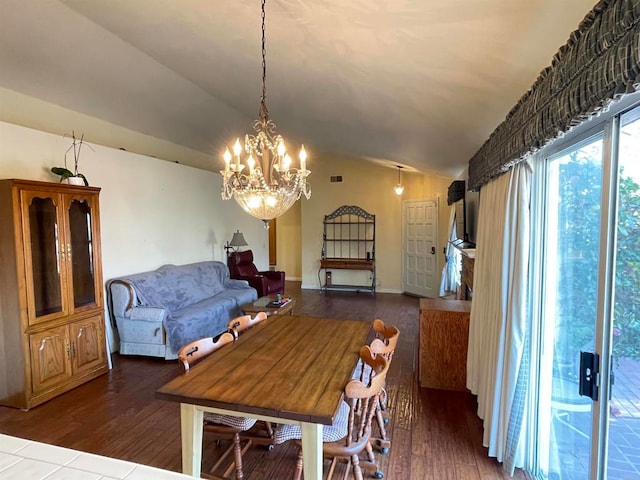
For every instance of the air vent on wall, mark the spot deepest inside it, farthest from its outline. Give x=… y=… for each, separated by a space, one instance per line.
x=336 y=178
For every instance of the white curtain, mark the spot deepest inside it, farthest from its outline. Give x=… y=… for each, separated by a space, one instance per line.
x=451 y=270
x=497 y=362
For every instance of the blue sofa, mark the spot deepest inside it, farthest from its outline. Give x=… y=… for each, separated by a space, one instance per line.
x=158 y=312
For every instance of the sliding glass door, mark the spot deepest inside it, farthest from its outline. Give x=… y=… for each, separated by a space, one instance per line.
x=569 y=292
x=623 y=439
x=588 y=392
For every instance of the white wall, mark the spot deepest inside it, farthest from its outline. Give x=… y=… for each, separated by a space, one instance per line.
x=369 y=186
x=153 y=212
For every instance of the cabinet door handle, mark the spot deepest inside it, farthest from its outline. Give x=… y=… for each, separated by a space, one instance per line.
x=60 y=257
x=65 y=253
x=68 y=350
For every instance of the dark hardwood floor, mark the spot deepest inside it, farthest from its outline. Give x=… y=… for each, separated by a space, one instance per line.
x=435 y=434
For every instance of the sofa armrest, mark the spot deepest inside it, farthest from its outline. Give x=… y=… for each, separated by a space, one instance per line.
x=123 y=298
x=273 y=275
x=148 y=314
x=259 y=282
x=236 y=284
x=124 y=304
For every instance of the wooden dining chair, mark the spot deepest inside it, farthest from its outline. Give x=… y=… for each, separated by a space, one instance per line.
x=201 y=348
x=224 y=427
x=384 y=344
x=238 y=324
x=350 y=433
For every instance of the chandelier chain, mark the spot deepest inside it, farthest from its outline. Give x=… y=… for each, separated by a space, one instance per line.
x=264 y=113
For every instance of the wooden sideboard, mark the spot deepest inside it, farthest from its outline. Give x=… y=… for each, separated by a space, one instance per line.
x=444 y=334
x=466 y=276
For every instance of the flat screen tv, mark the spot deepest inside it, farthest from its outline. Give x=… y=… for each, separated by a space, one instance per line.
x=461 y=227
x=456 y=198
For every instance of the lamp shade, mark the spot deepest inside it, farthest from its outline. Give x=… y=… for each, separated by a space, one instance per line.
x=238 y=240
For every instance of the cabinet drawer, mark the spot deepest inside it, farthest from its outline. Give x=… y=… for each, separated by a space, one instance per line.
x=142 y=332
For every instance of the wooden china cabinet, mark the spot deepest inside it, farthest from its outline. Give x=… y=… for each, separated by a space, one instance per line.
x=52 y=335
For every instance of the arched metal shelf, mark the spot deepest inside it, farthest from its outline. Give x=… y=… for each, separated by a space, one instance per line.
x=349 y=243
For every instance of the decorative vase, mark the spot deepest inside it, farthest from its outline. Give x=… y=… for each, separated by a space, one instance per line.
x=75 y=181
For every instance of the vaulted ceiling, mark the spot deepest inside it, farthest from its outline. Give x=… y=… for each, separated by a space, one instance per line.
x=420 y=83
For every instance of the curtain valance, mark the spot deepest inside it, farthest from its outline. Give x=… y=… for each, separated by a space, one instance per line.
x=599 y=64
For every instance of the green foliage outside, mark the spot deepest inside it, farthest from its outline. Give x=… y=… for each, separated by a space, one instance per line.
x=579 y=238
x=626 y=321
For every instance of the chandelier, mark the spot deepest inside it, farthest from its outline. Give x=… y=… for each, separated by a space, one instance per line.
x=268 y=185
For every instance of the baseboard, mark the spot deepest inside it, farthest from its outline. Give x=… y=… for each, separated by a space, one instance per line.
x=293 y=279
x=378 y=290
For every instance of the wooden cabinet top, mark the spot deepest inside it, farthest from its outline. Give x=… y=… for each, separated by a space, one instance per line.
x=441 y=305
x=55 y=186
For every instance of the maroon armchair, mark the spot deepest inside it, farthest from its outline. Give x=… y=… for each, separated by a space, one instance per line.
x=241 y=267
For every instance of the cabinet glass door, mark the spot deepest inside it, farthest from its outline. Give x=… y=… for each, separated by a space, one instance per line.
x=43 y=256
x=82 y=253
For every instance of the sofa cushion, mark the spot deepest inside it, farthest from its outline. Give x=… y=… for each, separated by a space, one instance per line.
x=246 y=295
x=174 y=287
x=207 y=318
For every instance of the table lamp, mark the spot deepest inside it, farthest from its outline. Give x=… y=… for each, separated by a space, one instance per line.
x=236 y=242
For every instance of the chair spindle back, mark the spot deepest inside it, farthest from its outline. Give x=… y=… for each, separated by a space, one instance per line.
x=201 y=348
x=238 y=324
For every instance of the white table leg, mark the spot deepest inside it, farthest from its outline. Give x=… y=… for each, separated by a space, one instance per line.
x=312 y=450
x=191 y=431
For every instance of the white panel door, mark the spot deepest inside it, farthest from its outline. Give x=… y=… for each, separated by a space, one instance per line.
x=419 y=236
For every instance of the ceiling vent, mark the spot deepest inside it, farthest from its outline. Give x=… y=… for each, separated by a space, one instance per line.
x=336 y=178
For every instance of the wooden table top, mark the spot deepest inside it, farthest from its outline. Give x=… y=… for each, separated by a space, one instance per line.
x=442 y=305
x=290 y=367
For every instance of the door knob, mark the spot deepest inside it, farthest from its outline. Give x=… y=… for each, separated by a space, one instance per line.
x=433 y=250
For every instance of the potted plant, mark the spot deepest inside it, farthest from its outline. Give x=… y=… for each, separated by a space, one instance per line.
x=74 y=177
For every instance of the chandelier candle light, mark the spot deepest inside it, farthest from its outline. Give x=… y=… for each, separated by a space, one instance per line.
x=271 y=184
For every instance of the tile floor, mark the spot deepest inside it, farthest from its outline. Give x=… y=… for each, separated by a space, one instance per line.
x=24 y=459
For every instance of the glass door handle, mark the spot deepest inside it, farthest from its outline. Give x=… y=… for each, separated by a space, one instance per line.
x=612 y=381
x=589 y=375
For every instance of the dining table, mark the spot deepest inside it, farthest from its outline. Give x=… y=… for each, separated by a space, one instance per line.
x=286 y=369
